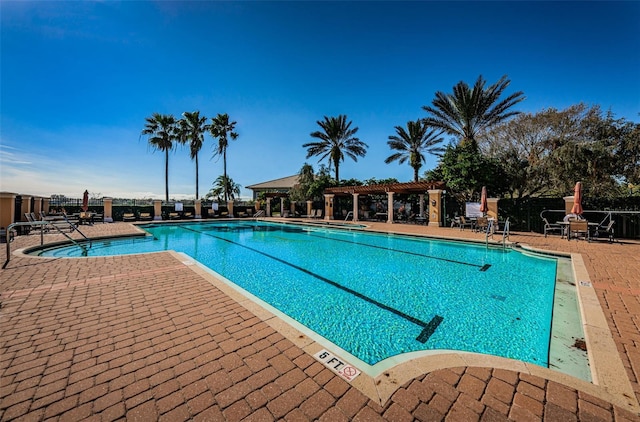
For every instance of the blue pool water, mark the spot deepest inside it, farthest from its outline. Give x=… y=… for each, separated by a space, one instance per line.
x=374 y=295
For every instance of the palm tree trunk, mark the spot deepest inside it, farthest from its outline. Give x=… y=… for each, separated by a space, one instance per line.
x=416 y=178
x=336 y=163
x=166 y=175
x=197 y=177
x=226 y=184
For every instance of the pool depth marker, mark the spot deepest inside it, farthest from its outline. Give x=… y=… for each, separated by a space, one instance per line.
x=428 y=328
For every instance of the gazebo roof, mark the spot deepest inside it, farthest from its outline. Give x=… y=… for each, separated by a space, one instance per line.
x=406 y=188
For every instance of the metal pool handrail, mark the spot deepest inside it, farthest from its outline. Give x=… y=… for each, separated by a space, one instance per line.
x=44 y=224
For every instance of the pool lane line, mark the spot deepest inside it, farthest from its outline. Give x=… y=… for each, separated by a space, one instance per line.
x=484 y=267
x=428 y=327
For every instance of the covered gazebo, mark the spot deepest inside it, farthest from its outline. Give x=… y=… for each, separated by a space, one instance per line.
x=433 y=189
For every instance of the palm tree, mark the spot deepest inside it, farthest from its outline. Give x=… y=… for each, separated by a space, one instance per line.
x=224 y=185
x=468 y=112
x=161 y=132
x=192 y=129
x=220 y=129
x=411 y=145
x=336 y=139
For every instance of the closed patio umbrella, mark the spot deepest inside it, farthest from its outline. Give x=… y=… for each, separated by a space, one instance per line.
x=85 y=201
x=577 y=200
x=484 y=206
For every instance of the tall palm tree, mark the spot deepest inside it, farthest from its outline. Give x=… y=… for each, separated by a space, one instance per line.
x=468 y=112
x=192 y=129
x=412 y=143
x=222 y=129
x=161 y=132
x=336 y=140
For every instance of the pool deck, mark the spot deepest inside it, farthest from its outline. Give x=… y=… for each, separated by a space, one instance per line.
x=156 y=337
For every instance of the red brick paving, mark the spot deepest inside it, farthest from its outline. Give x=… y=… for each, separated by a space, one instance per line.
x=145 y=338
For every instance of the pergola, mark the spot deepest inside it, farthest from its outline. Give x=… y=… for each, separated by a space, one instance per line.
x=433 y=189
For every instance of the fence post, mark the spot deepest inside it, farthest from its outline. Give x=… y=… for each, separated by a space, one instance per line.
x=108 y=210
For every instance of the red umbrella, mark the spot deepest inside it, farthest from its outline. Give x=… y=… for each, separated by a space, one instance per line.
x=577 y=199
x=484 y=206
x=85 y=201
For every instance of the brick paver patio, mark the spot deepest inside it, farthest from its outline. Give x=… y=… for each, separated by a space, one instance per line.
x=148 y=337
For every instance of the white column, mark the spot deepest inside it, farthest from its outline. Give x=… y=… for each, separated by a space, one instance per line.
x=390 y=207
x=355 y=207
x=282 y=206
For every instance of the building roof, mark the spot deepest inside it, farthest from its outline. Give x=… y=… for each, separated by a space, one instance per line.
x=282 y=183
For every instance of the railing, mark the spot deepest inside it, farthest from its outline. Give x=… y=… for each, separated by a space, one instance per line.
x=43 y=224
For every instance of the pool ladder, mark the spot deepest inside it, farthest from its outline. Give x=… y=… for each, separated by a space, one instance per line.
x=491 y=230
x=44 y=224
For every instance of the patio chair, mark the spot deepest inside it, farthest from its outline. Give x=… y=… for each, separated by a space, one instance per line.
x=464 y=223
x=608 y=229
x=578 y=228
x=174 y=216
x=548 y=227
x=482 y=223
x=145 y=216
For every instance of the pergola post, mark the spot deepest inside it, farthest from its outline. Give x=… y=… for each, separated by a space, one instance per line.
x=435 y=205
x=309 y=207
x=328 y=206
x=268 y=210
x=421 y=196
x=390 y=207
x=282 y=206
x=355 y=207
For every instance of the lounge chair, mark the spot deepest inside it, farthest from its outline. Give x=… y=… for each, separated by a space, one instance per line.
x=578 y=228
x=145 y=216
x=548 y=227
x=31 y=218
x=174 y=216
x=187 y=215
x=128 y=216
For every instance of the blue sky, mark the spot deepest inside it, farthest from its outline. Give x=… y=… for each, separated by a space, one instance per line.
x=79 y=78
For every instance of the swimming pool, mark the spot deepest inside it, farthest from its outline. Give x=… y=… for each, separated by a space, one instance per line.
x=373 y=295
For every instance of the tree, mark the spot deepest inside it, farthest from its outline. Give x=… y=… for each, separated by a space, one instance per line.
x=224 y=188
x=192 y=129
x=544 y=154
x=221 y=129
x=161 y=132
x=301 y=191
x=412 y=143
x=469 y=112
x=465 y=171
x=335 y=140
